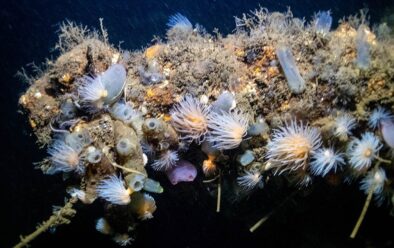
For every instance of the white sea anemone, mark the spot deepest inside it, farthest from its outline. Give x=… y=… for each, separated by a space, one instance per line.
x=325 y=160
x=64 y=158
x=249 y=180
x=147 y=207
x=81 y=195
x=92 y=92
x=362 y=152
x=189 y=118
x=378 y=115
x=343 y=125
x=113 y=190
x=292 y=145
x=227 y=129
x=123 y=239
x=179 y=21
x=375 y=181
x=103 y=226
x=167 y=160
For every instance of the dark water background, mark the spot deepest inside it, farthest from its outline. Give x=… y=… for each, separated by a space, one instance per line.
x=185 y=215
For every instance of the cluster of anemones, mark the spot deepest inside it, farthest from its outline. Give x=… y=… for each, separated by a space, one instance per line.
x=220 y=125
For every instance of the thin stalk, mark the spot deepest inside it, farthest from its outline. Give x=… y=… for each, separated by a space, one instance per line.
x=219 y=193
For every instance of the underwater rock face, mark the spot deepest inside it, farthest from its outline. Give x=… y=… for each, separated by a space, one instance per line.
x=219 y=105
x=183 y=171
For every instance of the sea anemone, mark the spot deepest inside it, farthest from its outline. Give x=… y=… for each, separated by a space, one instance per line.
x=190 y=118
x=324 y=160
x=167 y=160
x=379 y=114
x=143 y=205
x=208 y=166
x=92 y=93
x=81 y=195
x=103 y=90
x=113 y=190
x=362 y=152
x=292 y=145
x=249 y=180
x=375 y=181
x=343 y=125
x=227 y=129
x=179 y=21
x=64 y=158
x=123 y=239
x=103 y=226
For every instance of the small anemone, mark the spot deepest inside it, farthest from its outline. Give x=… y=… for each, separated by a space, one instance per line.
x=123 y=239
x=343 y=125
x=375 y=180
x=113 y=190
x=227 y=129
x=103 y=226
x=166 y=160
x=190 y=118
x=64 y=158
x=179 y=21
x=92 y=93
x=103 y=90
x=143 y=205
x=362 y=151
x=325 y=160
x=379 y=114
x=249 y=180
x=292 y=145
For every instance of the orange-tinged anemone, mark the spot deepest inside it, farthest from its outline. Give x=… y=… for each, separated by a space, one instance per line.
x=189 y=118
x=227 y=129
x=292 y=145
